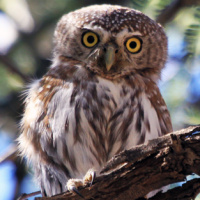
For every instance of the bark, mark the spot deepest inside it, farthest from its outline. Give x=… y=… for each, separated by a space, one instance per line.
x=134 y=173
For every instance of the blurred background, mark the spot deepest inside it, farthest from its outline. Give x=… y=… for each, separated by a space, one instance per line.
x=26 y=30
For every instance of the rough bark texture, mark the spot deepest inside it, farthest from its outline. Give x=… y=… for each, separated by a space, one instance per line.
x=134 y=173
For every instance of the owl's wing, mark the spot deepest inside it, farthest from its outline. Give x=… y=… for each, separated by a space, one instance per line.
x=41 y=125
x=56 y=136
x=160 y=107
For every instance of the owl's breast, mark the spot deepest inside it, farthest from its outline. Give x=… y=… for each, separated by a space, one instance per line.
x=94 y=119
x=129 y=116
x=98 y=122
x=120 y=109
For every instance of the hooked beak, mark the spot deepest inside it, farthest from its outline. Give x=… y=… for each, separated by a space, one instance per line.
x=110 y=56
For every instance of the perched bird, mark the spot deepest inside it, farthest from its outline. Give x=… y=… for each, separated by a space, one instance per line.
x=99 y=97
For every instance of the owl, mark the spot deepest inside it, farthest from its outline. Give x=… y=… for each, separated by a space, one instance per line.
x=98 y=98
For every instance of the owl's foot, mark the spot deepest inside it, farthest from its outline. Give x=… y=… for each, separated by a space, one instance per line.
x=74 y=184
x=89 y=177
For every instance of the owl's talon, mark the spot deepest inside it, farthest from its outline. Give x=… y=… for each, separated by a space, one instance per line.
x=93 y=177
x=73 y=184
x=89 y=177
x=75 y=190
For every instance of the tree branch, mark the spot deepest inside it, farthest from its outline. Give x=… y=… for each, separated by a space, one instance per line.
x=10 y=154
x=134 y=173
x=172 y=9
x=188 y=190
x=12 y=67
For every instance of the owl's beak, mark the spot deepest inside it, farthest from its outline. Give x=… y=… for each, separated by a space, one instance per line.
x=110 y=56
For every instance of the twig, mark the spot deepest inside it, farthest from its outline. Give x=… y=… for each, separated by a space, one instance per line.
x=10 y=154
x=25 y=196
x=12 y=67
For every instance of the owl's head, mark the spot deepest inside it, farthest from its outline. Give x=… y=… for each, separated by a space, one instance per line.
x=112 y=41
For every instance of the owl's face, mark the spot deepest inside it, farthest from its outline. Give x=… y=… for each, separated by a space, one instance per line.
x=112 y=41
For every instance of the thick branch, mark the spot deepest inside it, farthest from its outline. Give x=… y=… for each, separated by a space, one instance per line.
x=134 y=173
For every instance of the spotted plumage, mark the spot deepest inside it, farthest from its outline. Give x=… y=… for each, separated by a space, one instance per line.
x=99 y=97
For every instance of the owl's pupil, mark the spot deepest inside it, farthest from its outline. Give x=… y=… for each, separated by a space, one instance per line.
x=90 y=39
x=133 y=45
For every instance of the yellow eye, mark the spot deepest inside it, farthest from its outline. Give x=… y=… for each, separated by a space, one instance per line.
x=89 y=39
x=134 y=45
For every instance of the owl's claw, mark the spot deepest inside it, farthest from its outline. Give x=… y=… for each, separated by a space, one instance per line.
x=75 y=190
x=74 y=184
x=89 y=177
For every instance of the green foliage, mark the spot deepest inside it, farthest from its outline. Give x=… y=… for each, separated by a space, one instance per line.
x=192 y=37
x=139 y=4
x=9 y=83
x=161 y=5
